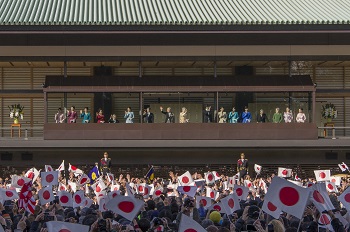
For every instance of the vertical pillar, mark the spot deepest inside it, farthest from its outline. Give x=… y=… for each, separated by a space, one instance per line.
x=65 y=94
x=216 y=107
x=45 y=107
x=215 y=71
x=141 y=107
x=314 y=106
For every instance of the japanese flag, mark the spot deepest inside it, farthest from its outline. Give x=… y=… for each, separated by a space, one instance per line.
x=324 y=221
x=218 y=207
x=231 y=181
x=72 y=186
x=204 y=201
x=210 y=193
x=209 y=178
x=78 y=199
x=32 y=174
x=322 y=175
x=216 y=175
x=185 y=179
x=158 y=191
x=99 y=187
x=241 y=192
x=248 y=184
x=48 y=168
x=270 y=208
x=83 y=180
x=263 y=186
x=343 y=167
x=62 y=187
x=8 y=194
x=110 y=177
x=57 y=226
x=88 y=202
x=187 y=224
x=129 y=190
x=65 y=198
x=330 y=186
x=257 y=168
x=188 y=190
x=74 y=169
x=230 y=204
x=125 y=206
x=61 y=167
x=115 y=187
x=113 y=194
x=284 y=172
x=288 y=197
x=49 y=178
x=336 y=180
x=102 y=204
x=46 y=195
x=19 y=181
x=344 y=198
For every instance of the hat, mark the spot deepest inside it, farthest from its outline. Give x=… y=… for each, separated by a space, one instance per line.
x=215 y=217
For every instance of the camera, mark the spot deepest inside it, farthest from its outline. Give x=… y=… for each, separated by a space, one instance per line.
x=157 y=221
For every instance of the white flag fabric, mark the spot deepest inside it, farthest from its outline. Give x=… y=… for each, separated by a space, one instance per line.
x=231 y=182
x=188 y=190
x=284 y=172
x=187 y=224
x=288 y=197
x=115 y=187
x=257 y=168
x=65 y=198
x=49 y=178
x=19 y=181
x=241 y=192
x=210 y=193
x=336 y=180
x=72 y=186
x=129 y=190
x=78 y=199
x=110 y=177
x=218 y=207
x=330 y=186
x=248 y=184
x=57 y=226
x=88 y=202
x=125 y=206
x=343 y=167
x=8 y=194
x=113 y=194
x=74 y=169
x=61 y=167
x=324 y=221
x=48 y=168
x=270 y=208
x=32 y=174
x=262 y=185
x=62 y=187
x=216 y=175
x=158 y=191
x=322 y=175
x=209 y=178
x=185 y=179
x=83 y=180
x=102 y=203
x=46 y=195
x=99 y=187
x=204 y=201
x=319 y=197
x=230 y=204
x=344 y=198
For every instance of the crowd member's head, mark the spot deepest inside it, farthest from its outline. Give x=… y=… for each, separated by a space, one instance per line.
x=215 y=217
x=277 y=226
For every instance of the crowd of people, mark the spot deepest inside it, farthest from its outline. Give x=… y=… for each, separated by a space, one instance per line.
x=187 y=202
x=208 y=116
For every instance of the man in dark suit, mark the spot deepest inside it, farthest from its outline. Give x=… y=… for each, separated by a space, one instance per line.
x=242 y=166
x=148 y=116
x=169 y=116
x=207 y=115
x=105 y=164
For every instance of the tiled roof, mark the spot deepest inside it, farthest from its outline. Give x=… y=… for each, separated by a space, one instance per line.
x=173 y=12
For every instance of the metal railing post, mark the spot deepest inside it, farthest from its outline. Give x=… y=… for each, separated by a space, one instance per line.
x=333 y=133
x=26 y=134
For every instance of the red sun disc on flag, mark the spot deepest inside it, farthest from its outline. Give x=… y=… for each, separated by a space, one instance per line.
x=333 y=180
x=347 y=197
x=322 y=175
x=73 y=168
x=98 y=189
x=271 y=206
x=186 y=188
x=231 y=182
x=324 y=219
x=126 y=206
x=330 y=186
x=239 y=192
x=146 y=191
x=217 y=174
x=204 y=202
x=284 y=172
x=30 y=175
x=185 y=180
x=289 y=196
x=249 y=185
x=217 y=207
x=212 y=194
x=318 y=197
x=115 y=189
x=231 y=203
x=111 y=177
x=46 y=195
x=62 y=188
x=258 y=168
x=77 y=199
x=210 y=177
x=20 y=182
x=114 y=195
x=64 y=199
x=83 y=180
x=140 y=188
x=190 y=230
x=158 y=192
x=9 y=194
x=49 y=178
x=64 y=230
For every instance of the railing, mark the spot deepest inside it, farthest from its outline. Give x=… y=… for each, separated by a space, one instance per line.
x=327 y=128
x=24 y=128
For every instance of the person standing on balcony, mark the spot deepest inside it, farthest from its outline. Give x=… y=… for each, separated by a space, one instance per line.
x=301 y=118
x=99 y=116
x=148 y=116
x=129 y=116
x=233 y=116
x=222 y=116
x=105 y=164
x=288 y=116
x=277 y=116
x=242 y=166
x=59 y=116
x=246 y=116
x=261 y=117
x=72 y=115
x=113 y=119
x=169 y=116
x=183 y=116
x=207 y=115
x=85 y=115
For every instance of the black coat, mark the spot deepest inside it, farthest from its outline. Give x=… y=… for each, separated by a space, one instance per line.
x=148 y=118
x=169 y=117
